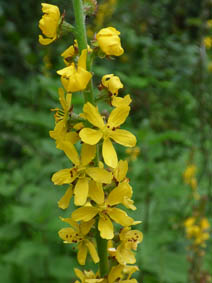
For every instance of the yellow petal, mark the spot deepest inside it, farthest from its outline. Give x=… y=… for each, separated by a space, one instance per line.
x=88 y=152
x=65 y=200
x=120 y=216
x=121 y=101
x=92 y=115
x=109 y=153
x=81 y=191
x=117 y=195
x=123 y=137
x=121 y=170
x=70 y=221
x=115 y=273
x=99 y=175
x=85 y=213
x=82 y=253
x=82 y=59
x=63 y=177
x=118 y=116
x=96 y=192
x=105 y=227
x=90 y=136
x=92 y=251
x=45 y=41
x=125 y=256
x=85 y=227
x=69 y=150
x=62 y=98
x=68 y=235
x=79 y=274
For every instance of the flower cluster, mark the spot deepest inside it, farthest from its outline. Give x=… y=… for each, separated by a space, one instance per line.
x=197 y=230
x=96 y=179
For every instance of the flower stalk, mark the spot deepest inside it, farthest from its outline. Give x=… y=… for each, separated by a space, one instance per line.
x=96 y=179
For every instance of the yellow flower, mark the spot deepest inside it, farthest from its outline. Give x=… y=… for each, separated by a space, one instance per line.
x=121 y=274
x=129 y=241
x=208 y=42
x=133 y=153
x=61 y=118
x=76 y=79
x=69 y=53
x=109 y=41
x=107 y=131
x=87 y=276
x=124 y=190
x=112 y=83
x=49 y=23
x=189 y=173
x=121 y=101
x=106 y=211
x=81 y=172
x=78 y=234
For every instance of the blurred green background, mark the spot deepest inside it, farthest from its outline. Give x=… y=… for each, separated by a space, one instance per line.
x=167 y=71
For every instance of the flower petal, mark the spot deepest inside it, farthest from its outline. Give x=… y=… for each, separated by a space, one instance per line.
x=116 y=272
x=125 y=256
x=63 y=176
x=85 y=227
x=88 y=152
x=99 y=175
x=69 y=150
x=68 y=235
x=120 y=216
x=121 y=101
x=92 y=251
x=123 y=137
x=65 y=200
x=81 y=191
x=121 y=170
x=82 y=59
x=92 y=115
x=79 y=274
x=82 y=253
x=118 y=116
x=117 y=195
x=45 y=41
x=90 y=136
x=96 y=192
x=105 y=227
x=109 y=153
x=84 y=213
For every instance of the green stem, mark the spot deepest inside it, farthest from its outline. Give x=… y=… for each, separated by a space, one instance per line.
x=80 y=32
x=102 y=251
x=80 y=24
x=82 y=44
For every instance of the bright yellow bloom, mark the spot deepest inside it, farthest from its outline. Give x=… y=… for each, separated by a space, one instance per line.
x=78 y=234
x=129 y=241
x=107 y=131
x=121 y=101
x=87 y=276
x=121 y=274
x=112 y=83
x=81 y=172
x=133 y=153
x=197 y=230
x=109 y=41
x=208 y=42
x=106 y=211
x=69 y=53
x=76 y=78
x=189 y=176
x=123 y=189
x=49 y=23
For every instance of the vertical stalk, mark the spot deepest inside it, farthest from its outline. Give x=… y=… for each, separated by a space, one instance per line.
x=89 y=96
x=82 y=44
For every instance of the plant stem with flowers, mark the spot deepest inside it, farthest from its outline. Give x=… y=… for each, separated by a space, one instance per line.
x=96 y=179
